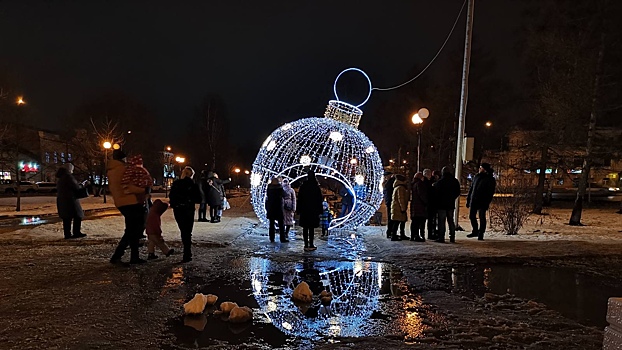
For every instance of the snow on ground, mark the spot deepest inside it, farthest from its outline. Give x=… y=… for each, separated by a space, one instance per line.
x=602 y=226
x=46 y=205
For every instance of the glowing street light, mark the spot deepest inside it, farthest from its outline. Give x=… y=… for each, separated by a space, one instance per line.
x=488 y=124
x=180 y=160
x=168 y=148
x=237 y=170
x=20 y=101
x=107 y=145
x=417 y=119
x=247 y=172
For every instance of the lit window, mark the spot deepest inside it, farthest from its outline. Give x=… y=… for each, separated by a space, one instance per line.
x=55 y=157
x=69 y=157
x=62 y=157
x=47 y=157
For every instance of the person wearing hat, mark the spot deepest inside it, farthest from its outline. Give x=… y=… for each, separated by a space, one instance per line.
x=127 y=198
x=478 y=200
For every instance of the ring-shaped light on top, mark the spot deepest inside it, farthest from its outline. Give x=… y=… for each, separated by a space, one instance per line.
x=366 y=77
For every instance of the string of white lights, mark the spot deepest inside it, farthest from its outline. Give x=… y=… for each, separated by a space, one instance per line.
x=433 y=59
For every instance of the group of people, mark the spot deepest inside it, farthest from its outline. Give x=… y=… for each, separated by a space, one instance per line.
x=130 y=186
x=432 y=197
x=282 y=203
x=213 y=195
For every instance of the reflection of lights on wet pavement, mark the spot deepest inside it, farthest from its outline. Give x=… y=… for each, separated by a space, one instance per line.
x=34 y=220
x=174 y=281
x=356 y=288
x=454 y=277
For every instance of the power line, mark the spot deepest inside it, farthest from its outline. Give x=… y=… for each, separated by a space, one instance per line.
x=433 y=59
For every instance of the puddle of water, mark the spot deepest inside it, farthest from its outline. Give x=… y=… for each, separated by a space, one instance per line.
x=369 y=299
x=577 y=296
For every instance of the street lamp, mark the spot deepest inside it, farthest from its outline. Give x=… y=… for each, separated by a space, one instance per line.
x=181 y=161
x=18 y=205
x=107 y=146
x=417 y=119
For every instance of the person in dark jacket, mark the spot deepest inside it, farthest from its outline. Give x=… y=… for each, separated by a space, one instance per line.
x=183 y=197
x=67 y=203
x=203 y=188
x=347 y=201
x=309 y=207
x=388 y=199
x=446 y=190
x=428 y=180
x=418 y=209
x=274 y=209
x=479 y=198
x=220 y=185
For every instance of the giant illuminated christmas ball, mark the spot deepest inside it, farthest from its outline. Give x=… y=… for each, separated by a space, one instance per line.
x=332 y=147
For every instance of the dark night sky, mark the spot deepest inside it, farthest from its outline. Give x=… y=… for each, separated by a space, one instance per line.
x=272 y=61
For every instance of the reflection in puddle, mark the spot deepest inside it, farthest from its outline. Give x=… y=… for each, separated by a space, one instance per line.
x=574 y=295
x=356 y=288
x=34 y=220
x=369 y=299
x=174 y=281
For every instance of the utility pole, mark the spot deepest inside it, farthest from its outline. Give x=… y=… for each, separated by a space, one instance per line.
x=463 y=101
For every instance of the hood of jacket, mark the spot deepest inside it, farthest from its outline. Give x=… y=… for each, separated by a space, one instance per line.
x=399 y=183
x=159 y=206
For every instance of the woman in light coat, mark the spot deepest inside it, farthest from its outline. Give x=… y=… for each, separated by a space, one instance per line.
x=289 y=205
x=399 y=206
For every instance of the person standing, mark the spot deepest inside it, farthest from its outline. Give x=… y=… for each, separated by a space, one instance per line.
x=67 y=203
x=220 y=186
x=347 y=201
x=388 y=198
x=129 y=199
x=274 y=209
x=479 y=198
x=431 y=206
x=204 y=189
x=289 y=206
x=399 y=206
x=184 y=196
x=309 y=207
x=418 y=212
x=447 y=189
x=215 y=199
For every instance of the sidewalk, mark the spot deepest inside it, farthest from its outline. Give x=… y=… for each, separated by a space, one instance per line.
x=46 y=205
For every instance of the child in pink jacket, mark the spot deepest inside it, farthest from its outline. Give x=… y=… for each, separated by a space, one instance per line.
x=154 y=230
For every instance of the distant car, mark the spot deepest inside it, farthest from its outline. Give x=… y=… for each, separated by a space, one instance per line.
x=10 y=187
x=46 y=187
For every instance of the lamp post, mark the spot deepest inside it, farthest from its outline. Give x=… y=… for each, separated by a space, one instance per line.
x=417 y=119
x=18 y=205
x=180 y=161
x=237 y=172
x=107 y=145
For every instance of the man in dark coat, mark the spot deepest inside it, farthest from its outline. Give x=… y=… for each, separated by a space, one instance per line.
x=447 y=189
x=478 y=200
x=388 y=199
x=428 y=180
x=67 y=202
x=274 y=209
x=418 y=209
x=309 y=206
